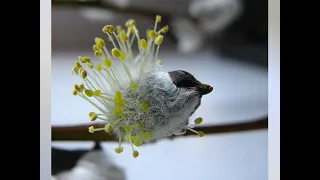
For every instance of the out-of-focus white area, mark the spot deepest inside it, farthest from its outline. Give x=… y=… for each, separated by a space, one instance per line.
x=240 y=93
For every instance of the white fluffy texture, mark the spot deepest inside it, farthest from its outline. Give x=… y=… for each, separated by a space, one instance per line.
x=94 y=165
x=169 y=107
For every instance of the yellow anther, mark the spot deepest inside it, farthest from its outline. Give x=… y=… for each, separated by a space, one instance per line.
x=122 y=56
x=81 y=86
x=74 y=92
x=116 y=52
x=95 y=48
x=78 y=65
x=83 y=74
x=140 y=125
x=98 y=53
x=165 y=29
x=159 y=62
x=123 y=36
x=120 y=103
x=108 y=62
x=130 y=23
x=75 y=70
x=198 y=120
x=118 y=28
x=131 y=30
x=133 y=85
x=144 y=106
x=128 y=128
x=201 y=133
x=80 y=69
x=91 y=129
x=99 y=67
x=108 y=128
x=118 y=111
x=91 y=113
x=111 y=28
x=119 y=150
x=77 y=88
x=88 y=92
x=143 y=44
x=90 y=65
x=106 y=28
x=158 y=18
x=146 y=135
x=118 y=96
x=93 y=116
x=85 y=59
x=158 y=40
x=97 y=92
x=135 y=154
x=136 y=141
x=100 y=42
x=153 y=34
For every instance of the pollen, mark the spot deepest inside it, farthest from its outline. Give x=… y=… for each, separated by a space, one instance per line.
x=135 y=154
x=198 y=120
x=201 y=133
x=119 y=150
x=91 y=129
x=97 y=93
x=144 y=106
x=133 y=85
x=93 y=116
x=97 y=53
x=153 y=34
x=108 y=128
x=100 y=42
x=108 y=63
x=88 y=92
x=99 y=67
x=116 y=52
x=85 y=59
x=118 y=111
x=95 y=48
x=143 y=44
x=158 y=18
x=74 y=92
x=159 y=40
x=165 y=29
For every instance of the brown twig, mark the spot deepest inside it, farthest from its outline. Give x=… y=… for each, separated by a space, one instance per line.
x=80 y=132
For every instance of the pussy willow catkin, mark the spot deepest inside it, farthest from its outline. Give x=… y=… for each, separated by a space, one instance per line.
x=137 y=101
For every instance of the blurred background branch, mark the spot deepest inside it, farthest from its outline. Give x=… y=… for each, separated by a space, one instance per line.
x=80 y=132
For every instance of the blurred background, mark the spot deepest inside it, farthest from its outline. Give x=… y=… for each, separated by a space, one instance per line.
x=221 y=42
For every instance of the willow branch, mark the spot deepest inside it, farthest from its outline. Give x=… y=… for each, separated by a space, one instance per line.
x=80 y=132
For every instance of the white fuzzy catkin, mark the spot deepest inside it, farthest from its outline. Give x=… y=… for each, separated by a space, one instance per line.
x=138 y=101
x=169 y=106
